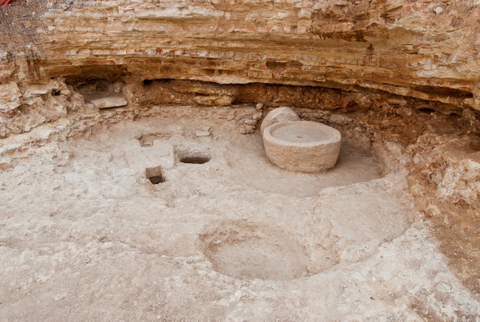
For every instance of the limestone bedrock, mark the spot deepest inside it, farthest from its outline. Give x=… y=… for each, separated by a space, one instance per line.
x=399 y=75
x=407 y=48
x=233 y=239
x=402 y=50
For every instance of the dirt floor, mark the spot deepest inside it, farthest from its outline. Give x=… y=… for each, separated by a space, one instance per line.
x=185 y=219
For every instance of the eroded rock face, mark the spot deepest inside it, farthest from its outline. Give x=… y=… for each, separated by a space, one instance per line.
x=26 y=106
x=421 y=54
x=403 y=47
x=422 y=49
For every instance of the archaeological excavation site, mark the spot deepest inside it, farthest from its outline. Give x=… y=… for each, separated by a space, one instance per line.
x=239 y=160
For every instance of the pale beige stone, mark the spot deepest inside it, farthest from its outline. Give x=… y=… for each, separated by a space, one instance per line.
x=281 y=114
x=94 y=213
x=9 y=96
x=108 y=102
x=223 y=100
x=202 y=133
x=40 y=89
x=302 y=146
x=235 y=229
x=5 y=165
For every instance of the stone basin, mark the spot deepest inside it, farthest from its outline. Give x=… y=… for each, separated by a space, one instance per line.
x=302 y=146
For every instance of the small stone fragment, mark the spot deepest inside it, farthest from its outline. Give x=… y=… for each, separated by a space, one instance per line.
x=259 y=106
x=5 y=165
x=109 y=102
x=202 y=133
x=257 y=116
x=213 y=100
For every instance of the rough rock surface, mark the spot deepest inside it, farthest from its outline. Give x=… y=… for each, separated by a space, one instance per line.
x=302 y=146
x=400 y=77
x=427 y=49
x=98 y=240
x=109 y=102
x=281 y=114
x=349 y=55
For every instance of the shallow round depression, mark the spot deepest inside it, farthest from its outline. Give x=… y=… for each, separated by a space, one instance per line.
x=304 y=132
x=300 y=134
x=247 y=251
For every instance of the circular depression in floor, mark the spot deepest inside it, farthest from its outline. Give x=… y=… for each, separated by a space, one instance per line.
x=249 y=251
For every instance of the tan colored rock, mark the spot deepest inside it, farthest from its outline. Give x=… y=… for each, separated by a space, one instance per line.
x=422 y=49
x=5 y=165
x=40 y=89
x=202 y=133
x=302 y=146
x=412 y=49
x=202 y=88
x=281 y=114
x=32 y=121
x=109 y=102
x=9 y=97
x=214 y=100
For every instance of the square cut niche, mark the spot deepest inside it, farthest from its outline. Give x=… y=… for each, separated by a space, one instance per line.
x=155 y=175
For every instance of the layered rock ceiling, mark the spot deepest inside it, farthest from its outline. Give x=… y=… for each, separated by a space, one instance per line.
x=424 y=49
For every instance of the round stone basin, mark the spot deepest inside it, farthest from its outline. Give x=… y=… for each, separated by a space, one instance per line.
x=302 y=146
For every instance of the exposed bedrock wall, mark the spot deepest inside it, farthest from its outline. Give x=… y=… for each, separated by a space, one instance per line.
x=381 y=67
x=352 y=54
x=425 y=49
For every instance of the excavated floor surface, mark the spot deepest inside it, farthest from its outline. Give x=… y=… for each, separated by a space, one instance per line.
x=113 y=226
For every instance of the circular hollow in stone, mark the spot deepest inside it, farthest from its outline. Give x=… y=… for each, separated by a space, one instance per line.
x=302 y=146
x=281 y=114
x=195 y=158
x=247 y=251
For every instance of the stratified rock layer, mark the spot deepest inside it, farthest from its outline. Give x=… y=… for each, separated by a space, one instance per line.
x=420 y=54
x=423 y=49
